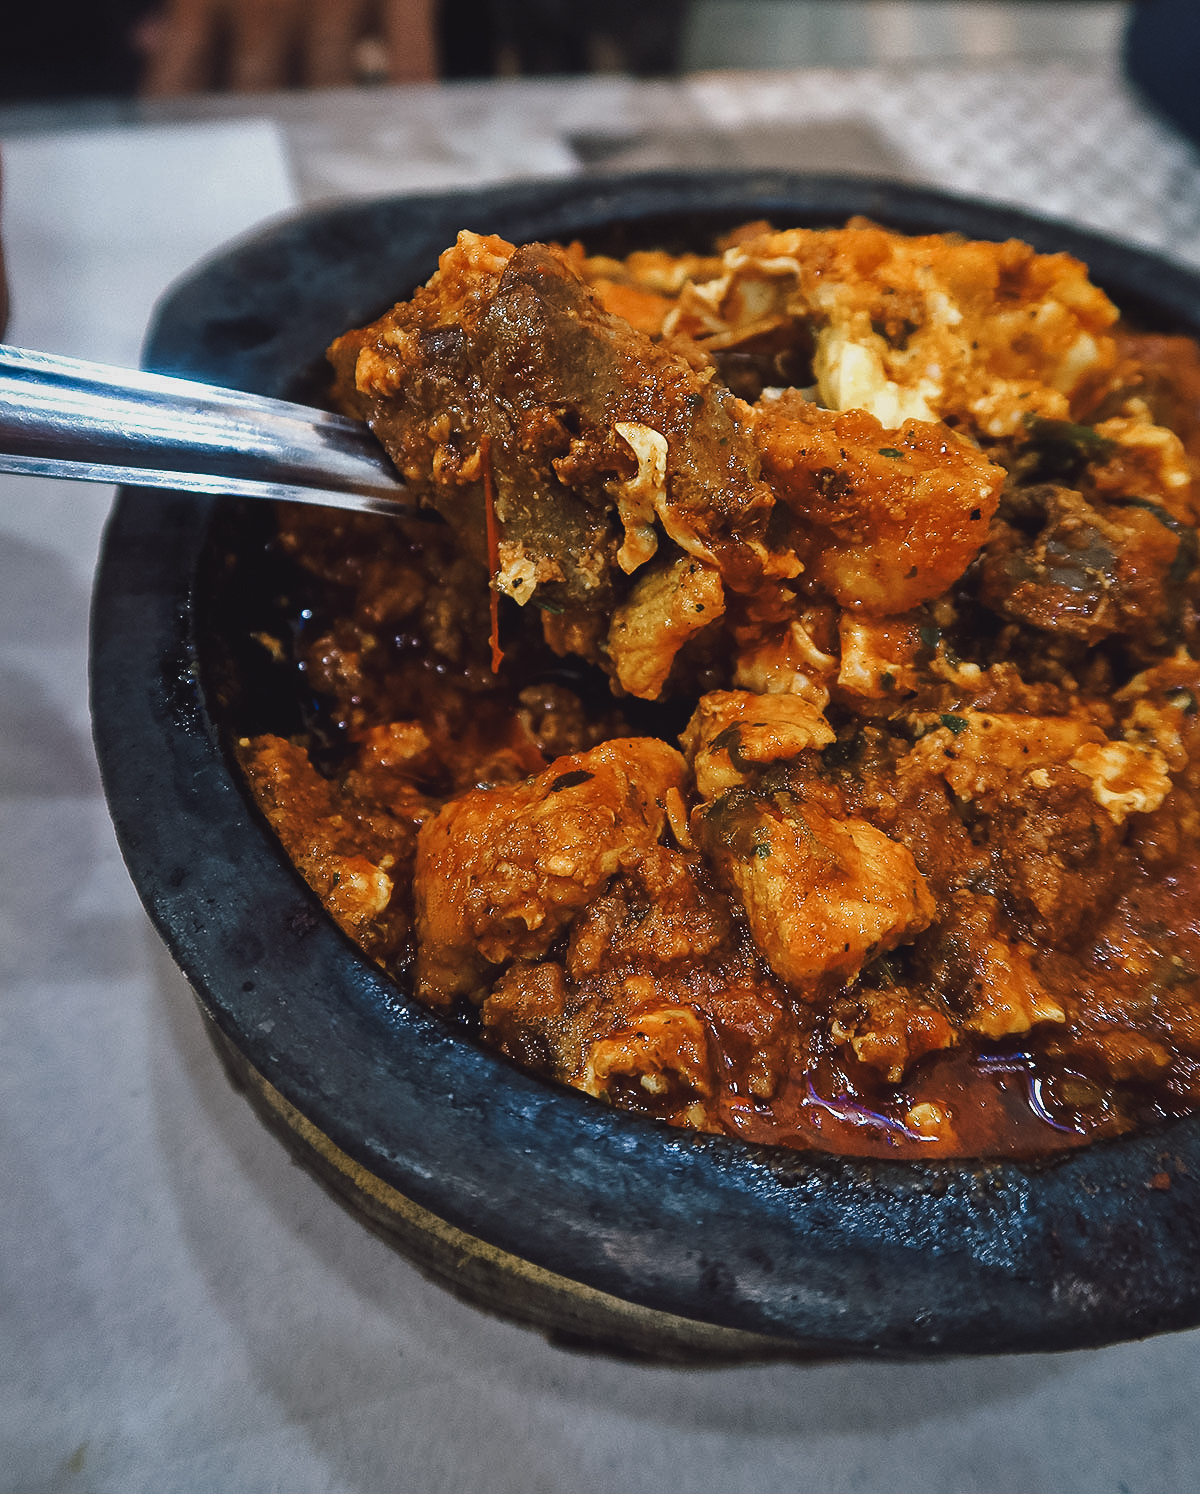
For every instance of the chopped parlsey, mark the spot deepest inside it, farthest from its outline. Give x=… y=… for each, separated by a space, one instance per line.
x=839 y=785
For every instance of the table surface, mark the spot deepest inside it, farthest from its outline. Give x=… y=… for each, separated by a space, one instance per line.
x=180 y=1307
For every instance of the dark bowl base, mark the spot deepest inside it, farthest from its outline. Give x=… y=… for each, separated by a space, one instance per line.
x=568 y=1314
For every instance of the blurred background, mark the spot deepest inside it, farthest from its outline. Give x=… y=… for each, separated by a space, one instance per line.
x=847 y=33
x=58 y=48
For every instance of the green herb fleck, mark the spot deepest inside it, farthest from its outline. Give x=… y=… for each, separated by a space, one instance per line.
x=956 y=724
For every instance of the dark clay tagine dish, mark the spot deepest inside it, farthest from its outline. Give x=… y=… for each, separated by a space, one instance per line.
x=596 y=1226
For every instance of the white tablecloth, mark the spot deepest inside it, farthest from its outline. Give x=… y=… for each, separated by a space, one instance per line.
x=181 y=1308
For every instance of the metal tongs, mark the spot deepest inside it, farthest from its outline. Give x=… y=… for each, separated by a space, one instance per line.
x=61 y=417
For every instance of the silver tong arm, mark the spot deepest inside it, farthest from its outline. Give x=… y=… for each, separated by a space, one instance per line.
x=62 y=417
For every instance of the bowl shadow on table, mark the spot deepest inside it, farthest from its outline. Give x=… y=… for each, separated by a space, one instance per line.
x=771 y=1399
x=41 y=754
x=49 y=784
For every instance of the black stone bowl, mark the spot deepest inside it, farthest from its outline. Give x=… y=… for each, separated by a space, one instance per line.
x=599 y=1227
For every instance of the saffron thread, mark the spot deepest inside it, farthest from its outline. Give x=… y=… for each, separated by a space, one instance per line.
x=493 y=544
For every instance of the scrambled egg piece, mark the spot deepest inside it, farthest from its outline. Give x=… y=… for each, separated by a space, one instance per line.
x=924 y=328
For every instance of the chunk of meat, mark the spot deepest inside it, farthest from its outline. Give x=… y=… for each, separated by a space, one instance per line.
x=890 y=1029
x=791 y=652
x=1161 y=709
x=822 y=895
x=661 y=911
x=655 y=986
x=992 y=756
x=1144 y=460
x=1089 y=568
x=733 y=734
x=1048 y=797
x=665 y=1047
x=668 y=605
x=1162 y=373
x=501 y=872
x=330 y=847
x=602 y=442
x=985 y=973
x=884 y=518
x=879 y=656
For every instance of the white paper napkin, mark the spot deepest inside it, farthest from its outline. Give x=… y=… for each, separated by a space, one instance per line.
x=96 y=225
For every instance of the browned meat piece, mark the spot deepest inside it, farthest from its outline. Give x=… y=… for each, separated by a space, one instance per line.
x=1141 y=460
x=502 y=872
x=886 y=519
x=348 y=856
x=601 y=442
x=981 y=971
x=660 y=912
x=633 y=1039
x=893 y=1028
x=669 y=603
x=1088 y=570
x=1163 y=372
x=822 y=894
x=1049 y=797
x=658 y=987
x=734 y=734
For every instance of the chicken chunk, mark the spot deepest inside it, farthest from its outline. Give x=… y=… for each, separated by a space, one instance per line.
x=501 y=872
x=885 y=519
x=734 y=733
x=655 y=971
x=989 y=975
x=993 y=756
x=668 y=605
x=665 y=1046
x=893 y=1028
x=1048 y=798
x=822 y=895
x=327 y=845
x=879 y=656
